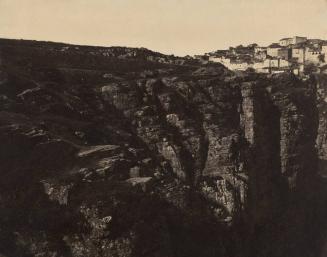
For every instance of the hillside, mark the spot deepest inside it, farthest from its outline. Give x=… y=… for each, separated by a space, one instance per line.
x=128 y=152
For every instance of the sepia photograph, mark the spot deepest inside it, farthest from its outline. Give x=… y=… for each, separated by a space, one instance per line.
x=163 y=128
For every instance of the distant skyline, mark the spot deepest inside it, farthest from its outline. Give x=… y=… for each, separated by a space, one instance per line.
x=177 y=27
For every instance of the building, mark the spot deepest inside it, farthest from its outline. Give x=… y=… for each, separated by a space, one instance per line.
x=259 y=49
x=271 y=63
x=292 y=41
x=298 y=53
x=215 y=59
x=261 y=55
x=324 y=49
x=289 y=55
x=239 y=65
x=285 y=53
x=308 y=55
x=273 y=49
x=315 y=42
x=220 y=59
x=298 y=40
x=277 y=71
x=284 y=63
x=312 y=56
x=260 y=67
x=298 y=69
x=286 y=41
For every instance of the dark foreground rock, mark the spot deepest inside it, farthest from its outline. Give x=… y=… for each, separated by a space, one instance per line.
x=127 y=152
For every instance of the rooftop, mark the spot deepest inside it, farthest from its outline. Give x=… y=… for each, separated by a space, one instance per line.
x=275 y=45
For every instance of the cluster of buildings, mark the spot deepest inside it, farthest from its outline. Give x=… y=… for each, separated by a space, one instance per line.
x=288 y=55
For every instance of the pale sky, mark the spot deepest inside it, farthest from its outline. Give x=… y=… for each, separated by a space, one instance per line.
x=177 y=27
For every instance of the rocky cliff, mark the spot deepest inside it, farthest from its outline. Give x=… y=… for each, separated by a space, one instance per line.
x=322 y=130
x=127 y=152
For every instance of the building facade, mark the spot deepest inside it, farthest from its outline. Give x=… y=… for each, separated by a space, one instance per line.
x=273 y=49
x=261 y=55
x=220 y=59
x=298 y=40
x=292 y=41
x=285 y=53
x=312 y=56
x=286 y=41
x=324 y=50
x=271 y=63
x=298 y=54
x=241 y=66
x=284 y=63
x=259 y=49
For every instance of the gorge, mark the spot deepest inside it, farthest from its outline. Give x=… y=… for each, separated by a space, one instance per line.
x=128 y=152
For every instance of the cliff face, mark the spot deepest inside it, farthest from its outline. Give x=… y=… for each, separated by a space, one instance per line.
x=124 y=154
x=322 y=134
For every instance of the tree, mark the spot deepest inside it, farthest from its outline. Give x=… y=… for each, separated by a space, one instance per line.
x=250 y=70
x=321 y=58
x=252 y=45
x=309 y=69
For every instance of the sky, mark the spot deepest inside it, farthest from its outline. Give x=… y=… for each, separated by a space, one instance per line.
x=177 y=27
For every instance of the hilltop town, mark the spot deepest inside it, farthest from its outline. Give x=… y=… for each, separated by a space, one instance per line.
x=298 y=55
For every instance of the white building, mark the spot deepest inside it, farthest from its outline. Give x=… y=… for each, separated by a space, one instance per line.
x=216 y=59
x=241 y=66
x=220 y=59
x=271 y=63
x=286 y=41
x=232 y=65
x=312 y=56
x=273 y=49
x=277 y=71
x=284 y=63
x=292 y=41
x=299 y=54
x=324 y=49
x=259 y=49
x=260 y=67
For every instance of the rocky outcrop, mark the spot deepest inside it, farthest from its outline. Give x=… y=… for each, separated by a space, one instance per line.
x=322 y=136
x=116 y=153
